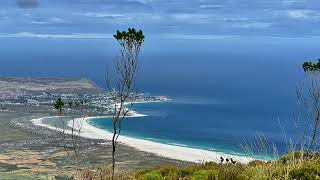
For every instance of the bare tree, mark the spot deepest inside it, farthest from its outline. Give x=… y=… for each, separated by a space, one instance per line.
x=121 y=85
x=308 y=115
x=71 y=140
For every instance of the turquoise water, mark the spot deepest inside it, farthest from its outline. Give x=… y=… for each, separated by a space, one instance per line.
x=201 y=123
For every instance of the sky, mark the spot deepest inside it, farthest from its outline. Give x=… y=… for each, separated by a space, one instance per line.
x=238 y=41
x=168 y=19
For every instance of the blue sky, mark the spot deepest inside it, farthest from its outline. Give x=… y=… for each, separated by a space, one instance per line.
x=178 y=19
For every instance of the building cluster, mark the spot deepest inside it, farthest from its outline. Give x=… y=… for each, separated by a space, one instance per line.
x=94 y=103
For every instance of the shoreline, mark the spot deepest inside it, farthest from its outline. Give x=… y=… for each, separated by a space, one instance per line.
x=165 y=150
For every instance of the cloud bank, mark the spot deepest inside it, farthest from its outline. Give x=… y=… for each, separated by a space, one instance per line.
x=199 y=17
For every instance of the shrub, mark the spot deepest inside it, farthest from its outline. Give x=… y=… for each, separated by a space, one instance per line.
x=173 y=176
x=153 y=176
x=200 y=175
x=213 y=175
x=87 y=174
x=256 y=172
x=306 y=172
x=8 y=167
x=187 y=171
x=256 y=163
x=291 y=166
x=165 y=170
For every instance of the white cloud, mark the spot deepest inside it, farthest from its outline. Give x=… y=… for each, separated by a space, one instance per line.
x=302 y=14
x=226 y=37
x=292 y=38
x=57 y=20
x=195 y=36
x=210 y=6
x=233 y=19
x=257 y=25
x=298 y=14
x=142 y=1
x=39 y=22
x=57 y=36
x=52 y=20
x=291 y=2
x=101 y=15
x=191 y=18
x=188 y=16
x=205 y=18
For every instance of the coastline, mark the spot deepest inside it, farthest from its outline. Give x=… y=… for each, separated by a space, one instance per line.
x=165 y=150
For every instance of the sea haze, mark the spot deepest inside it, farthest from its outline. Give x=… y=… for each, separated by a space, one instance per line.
x=223 y=90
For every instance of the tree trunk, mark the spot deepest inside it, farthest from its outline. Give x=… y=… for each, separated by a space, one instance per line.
x=113 y=149
x=314 y=134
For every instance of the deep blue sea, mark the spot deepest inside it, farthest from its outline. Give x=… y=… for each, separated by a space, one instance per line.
x=223 y=91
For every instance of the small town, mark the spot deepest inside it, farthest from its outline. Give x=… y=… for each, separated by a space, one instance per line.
x=83 y=97
x=91 y=103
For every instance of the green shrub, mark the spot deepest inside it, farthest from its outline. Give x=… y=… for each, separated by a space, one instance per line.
x=291 y=157
x=205 y=175
x=188 y=171
x=200 y=175
x=8 y=167
x=153 y=176
x=307 y=171
x=172 y=176
x=278 y=171
x=257 y=172
x=213 y=175
x=165 y=170
x=257 y=163
x=290 y=166
x=232 y=171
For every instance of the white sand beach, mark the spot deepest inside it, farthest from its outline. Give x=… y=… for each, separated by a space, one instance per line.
x=165 y=150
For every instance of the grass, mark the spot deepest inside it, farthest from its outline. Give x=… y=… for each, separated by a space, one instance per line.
x=290 y=166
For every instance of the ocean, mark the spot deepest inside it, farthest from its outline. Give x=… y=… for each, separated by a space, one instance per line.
x=223 y=91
